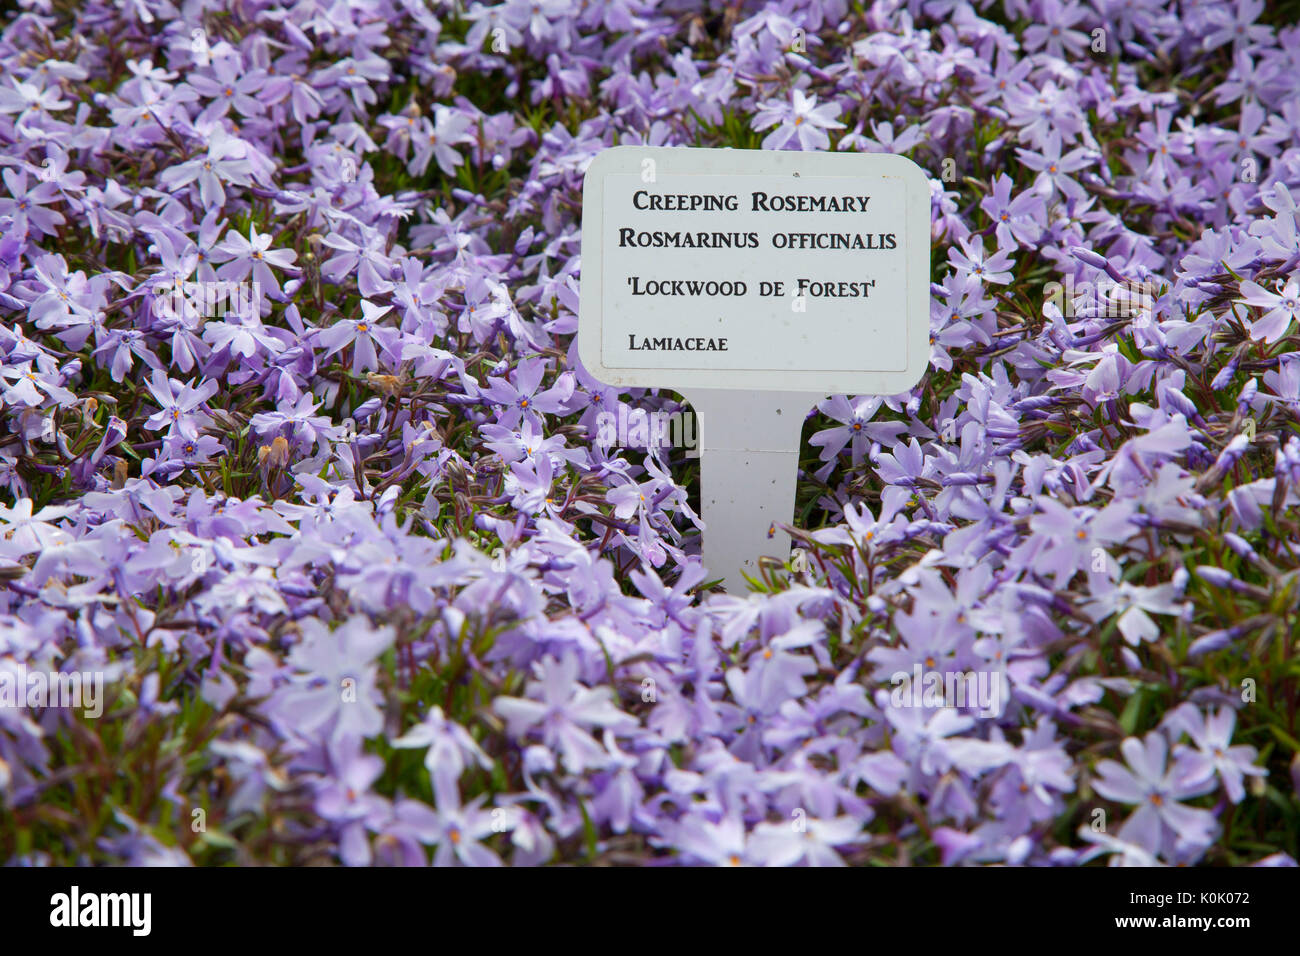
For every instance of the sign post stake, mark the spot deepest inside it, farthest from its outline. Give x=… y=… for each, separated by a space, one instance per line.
x=754 y=283
x=749 y=460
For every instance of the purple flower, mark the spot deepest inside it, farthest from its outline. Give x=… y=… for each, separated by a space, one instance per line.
x=367 y=261
x=242 y=256
x=334 y=692
x=435 y=139
x=1155 y=787
x=366 y=336
x=450 y=747
x=372 y=504
x=721 y=843
x=799 y=120
x=523 y=398
x=1019 y=220
x=458 y=830
x=562 y=710
x=26 y=207
x=1054 y=169
x=1134 y=605
x=180 y=405
x=26 y=530
x=975 y=266
x=231 y=84
x=857 y=429
x=344 y=798
x=1212 y=735
x=224 y=160
x=805 y=840
x=1282 y=308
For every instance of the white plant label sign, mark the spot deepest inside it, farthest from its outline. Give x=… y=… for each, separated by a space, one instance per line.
x=755 y=283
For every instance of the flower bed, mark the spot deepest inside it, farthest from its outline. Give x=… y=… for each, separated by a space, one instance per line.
x=305 y=486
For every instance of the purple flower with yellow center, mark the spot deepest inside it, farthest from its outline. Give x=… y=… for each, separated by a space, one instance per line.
x=459 y=829
x=524 y=397
x=32 y=387
x=334 y=692
x=805 y=840
x=224 y=161
x=255 y=255
x=975 y=265
x=1281 y=308
x=434 y=140
x=1017 y=221
x=366 y=336
x=562 y=710
x=1155 y=787
x=1211 y=734
x=232 y=83
x=450 y=748
x=180 y=405
x=722 y=843
x=27 y=205
x=798 y=120
x=27 y=530
x=856 y=429
x=345 y=799
x=1054 y=169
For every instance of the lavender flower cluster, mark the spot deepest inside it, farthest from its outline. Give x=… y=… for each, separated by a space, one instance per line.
x=298 y=455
